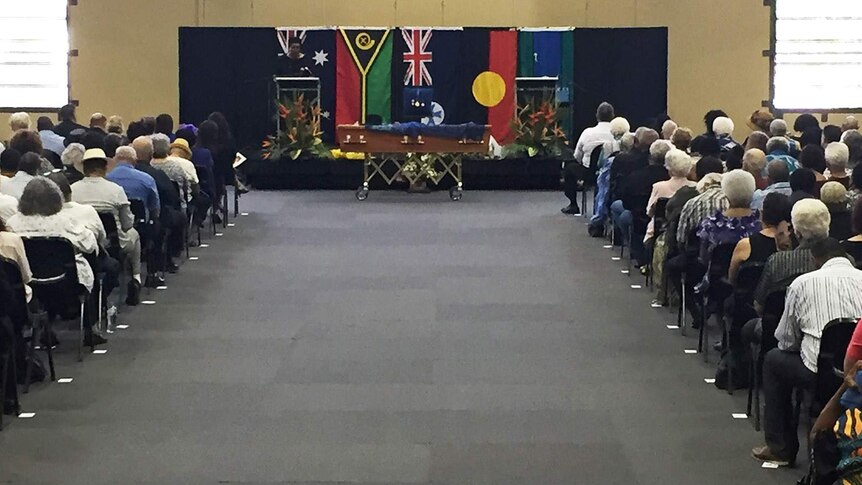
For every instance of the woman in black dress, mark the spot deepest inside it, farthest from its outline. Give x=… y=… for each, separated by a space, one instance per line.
x=774 y=235
x=224 y=154
x=853 y=245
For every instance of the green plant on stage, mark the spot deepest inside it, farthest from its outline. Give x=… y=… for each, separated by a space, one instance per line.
x=537 y=132
x=420 y=168
x=300 y=132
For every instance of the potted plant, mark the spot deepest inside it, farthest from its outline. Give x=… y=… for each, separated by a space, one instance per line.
x=537 y=132
x=300 y=134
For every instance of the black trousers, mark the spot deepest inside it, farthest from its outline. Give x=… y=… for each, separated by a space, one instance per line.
x=572 y=175
x=783 y=372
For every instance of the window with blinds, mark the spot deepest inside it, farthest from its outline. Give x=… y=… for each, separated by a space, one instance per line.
x=818 y=55
x=34 y=62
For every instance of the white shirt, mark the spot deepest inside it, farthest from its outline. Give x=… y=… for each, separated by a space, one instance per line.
x=87 y=215
x=590 y=139
x=8 y=207
x=813 y=300
x=106 y=196
x=59 y=225
x=181 y=171
x=12 y=247
x=15 y=185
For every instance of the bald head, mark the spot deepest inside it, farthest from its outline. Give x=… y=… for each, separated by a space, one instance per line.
x=754 y=161
x=143 y=147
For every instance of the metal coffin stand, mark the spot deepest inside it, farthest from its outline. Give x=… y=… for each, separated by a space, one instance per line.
x=383 y=150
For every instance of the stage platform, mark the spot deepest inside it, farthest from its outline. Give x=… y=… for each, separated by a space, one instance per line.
x=343 y=174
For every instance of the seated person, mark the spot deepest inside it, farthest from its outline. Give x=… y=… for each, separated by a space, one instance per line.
x=803 y=183
x=12 y=248
x=723 y=129
x=754 y=162
x=106 y=196
x=73 y=162
x=834 y=195
x=832 y=291
x=626 y=163
x=855 y=186
x=179 y=170
x=853 y=244
x=9 y=159
x=778 y=179
x=8 y=205
x=813 y=157
x=574 y=171
x=171 y=217
x=774 y=235
x=777 y=148
x=200 y=200
x=679 y=165
x=28 y=168
x=40 y=215
x=634 y=193
x=88 y=216
x=603 y=178
x=710 y=200
x=837 y=157
x=736 y=222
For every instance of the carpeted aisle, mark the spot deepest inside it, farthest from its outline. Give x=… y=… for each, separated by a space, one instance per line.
x=406 y=339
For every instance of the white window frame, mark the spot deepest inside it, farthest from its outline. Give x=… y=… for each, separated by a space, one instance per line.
x=34 y=55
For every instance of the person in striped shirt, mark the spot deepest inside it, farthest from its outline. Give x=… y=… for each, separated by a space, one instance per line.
x=814 y=299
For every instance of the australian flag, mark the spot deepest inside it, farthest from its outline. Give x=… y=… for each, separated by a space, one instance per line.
x=319 y=45
x=424 y=57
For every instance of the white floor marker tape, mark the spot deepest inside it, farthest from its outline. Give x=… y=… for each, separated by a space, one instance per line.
x=100 y=351
x=624 y=271
x=690 y=351
x=244 y=213
x=615 y=258
x=739 y=416
x=27 y=415
x=194 y=258
x=122 y=327
x=672 y=327
x=769 y=465
x=636 y=287
x=230 y=224
x=148 y=302
x=204 y=246
x=608 y=246
x=219 y=234
x=709 y=381
x=65 y=380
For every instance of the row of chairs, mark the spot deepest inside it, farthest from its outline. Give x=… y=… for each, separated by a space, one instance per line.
x=56 y=286
x=710 y=301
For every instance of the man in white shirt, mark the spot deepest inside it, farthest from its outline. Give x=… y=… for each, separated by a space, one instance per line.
x=813 y=300
x=95 y=190
x=589 y=140
x=28 y=167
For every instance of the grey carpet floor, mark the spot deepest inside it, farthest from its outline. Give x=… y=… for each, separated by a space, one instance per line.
x=405 y=339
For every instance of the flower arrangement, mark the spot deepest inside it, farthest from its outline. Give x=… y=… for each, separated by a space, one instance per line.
x=537 y=131
x=300 y=133
x=421 y=168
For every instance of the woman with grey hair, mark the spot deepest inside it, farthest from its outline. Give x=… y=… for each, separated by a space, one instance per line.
x=837 y=157
x=736 y=222
x=834 y=195
x=39 y=215
x=73 y=161
x=678 y=164
x=778 y=148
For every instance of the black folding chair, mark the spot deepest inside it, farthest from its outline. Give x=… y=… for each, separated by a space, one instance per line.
x=55 y=280
x=830 y=361
x=589 y=181
x=659 y=227
x=7 y=362
x=718 y=290
x=773 y=308
x=145 y=226
x=182 y=193
x=19 y=315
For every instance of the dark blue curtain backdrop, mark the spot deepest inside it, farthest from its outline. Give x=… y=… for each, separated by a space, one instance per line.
x=626 y=67
x=230 y=70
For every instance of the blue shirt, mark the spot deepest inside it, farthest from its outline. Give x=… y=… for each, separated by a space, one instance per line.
x=136 y=184
x=784 y=157
x=52 y=141
x=760 y=195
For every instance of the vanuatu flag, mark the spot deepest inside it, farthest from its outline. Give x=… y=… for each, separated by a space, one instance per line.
x=487 y=86
x=364 y=75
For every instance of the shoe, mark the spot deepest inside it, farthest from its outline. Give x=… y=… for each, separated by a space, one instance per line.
x=154 y=281
x=133 y=295
x=763 y=453
x=216 y=218
x=571 y=210
x=172 y=267
x=10 y=407
x=93 y=339
x=49 y=339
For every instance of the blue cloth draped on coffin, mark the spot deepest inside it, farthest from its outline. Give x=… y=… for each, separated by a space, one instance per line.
x=467 y=131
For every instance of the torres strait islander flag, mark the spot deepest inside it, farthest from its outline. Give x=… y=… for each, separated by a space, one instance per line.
x=364 y=75
x=489 y=59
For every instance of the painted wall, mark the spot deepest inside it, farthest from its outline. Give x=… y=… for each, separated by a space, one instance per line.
x=128 y=48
